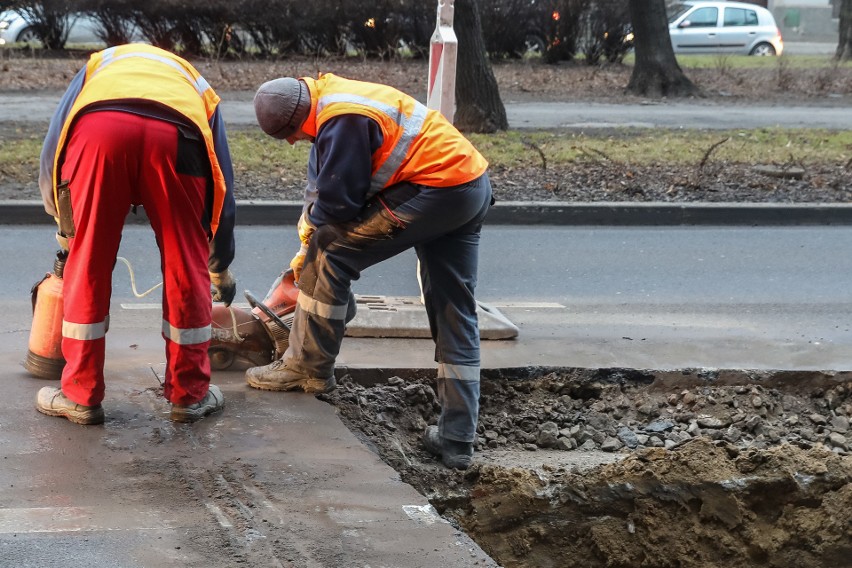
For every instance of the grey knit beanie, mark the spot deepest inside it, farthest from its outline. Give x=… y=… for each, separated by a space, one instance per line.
x=281 y=106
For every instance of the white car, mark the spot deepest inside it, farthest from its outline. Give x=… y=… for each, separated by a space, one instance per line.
x=14 y=28
x=723 y=27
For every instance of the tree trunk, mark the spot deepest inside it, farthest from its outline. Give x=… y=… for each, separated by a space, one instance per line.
x=844 y=44
x=656 y=72
x=478 y=104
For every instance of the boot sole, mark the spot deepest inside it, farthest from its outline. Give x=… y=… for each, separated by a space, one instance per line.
x=87 y=420
x=189 y=417
x=464 y=464
x=310 y=386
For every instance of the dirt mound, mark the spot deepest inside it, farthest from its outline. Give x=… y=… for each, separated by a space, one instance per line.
x=702 y=504
x=632 y=468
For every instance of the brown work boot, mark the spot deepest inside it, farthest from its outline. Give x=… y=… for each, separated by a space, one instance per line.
x=454 y=455
x=212 y=402
x=277 y=377
x=52 y=402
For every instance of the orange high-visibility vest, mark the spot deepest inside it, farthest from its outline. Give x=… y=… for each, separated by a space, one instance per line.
x=139 y=72
x=419 y=145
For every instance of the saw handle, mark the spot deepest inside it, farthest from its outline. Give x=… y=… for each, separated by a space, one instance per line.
x=255 y=303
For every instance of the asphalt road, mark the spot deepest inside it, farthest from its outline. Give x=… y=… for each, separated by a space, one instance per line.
x=657 y=297
x=238 y=110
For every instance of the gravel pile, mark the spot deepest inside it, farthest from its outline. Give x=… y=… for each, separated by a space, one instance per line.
x=611 y=411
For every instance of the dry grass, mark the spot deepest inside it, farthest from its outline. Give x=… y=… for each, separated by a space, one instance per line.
x=610 y=165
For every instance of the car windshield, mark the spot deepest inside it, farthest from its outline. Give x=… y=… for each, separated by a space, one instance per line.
x=675 y=11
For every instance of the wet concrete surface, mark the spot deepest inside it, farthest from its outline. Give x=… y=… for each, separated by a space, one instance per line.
x=274 y=480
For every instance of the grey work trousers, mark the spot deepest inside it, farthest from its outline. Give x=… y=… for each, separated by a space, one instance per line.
x=443 y=225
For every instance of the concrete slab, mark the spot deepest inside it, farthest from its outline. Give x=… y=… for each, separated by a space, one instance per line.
x=276 y=479
x=405 y=317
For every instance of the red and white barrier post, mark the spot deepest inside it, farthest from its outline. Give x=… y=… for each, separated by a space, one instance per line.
x=441 y=84
x=441 y=93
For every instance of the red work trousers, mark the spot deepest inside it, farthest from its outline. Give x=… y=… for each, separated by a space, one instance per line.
x=114 y=160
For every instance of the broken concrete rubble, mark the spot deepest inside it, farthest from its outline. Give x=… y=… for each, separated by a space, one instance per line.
x=708 y=470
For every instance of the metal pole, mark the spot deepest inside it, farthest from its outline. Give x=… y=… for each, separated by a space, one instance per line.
x=441 y=93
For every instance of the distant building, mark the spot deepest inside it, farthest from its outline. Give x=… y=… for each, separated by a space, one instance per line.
x=806 y=20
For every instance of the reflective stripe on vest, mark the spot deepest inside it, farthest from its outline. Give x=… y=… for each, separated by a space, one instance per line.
x=466 y=373
x=321 y=309
x=84 y=331
x=189 y=336
x=201 y=84
x=411 y=126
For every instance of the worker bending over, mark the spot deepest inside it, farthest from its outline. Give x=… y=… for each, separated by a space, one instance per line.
x=139 y=126
x=385 y=174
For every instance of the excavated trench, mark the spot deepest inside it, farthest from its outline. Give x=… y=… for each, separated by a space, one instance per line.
x=623 y=468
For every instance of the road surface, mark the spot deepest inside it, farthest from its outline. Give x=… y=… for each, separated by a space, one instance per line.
x=238 y=110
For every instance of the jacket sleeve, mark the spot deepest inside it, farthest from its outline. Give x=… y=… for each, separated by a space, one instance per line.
x=344 y=149
x=51 y=141
x=222 y=245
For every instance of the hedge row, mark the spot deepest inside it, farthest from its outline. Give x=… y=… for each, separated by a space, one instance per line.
x=555 y=29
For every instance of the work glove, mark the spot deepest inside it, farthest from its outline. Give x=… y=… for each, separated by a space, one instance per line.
x=62 y=241
x=306 y=229
x=298 y=262
x=224 y=286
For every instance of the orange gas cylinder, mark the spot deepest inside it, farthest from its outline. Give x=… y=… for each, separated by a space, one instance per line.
x=44 y=356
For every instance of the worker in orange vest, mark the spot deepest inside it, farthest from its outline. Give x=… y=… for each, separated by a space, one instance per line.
x=139 y=126
x=385 y=174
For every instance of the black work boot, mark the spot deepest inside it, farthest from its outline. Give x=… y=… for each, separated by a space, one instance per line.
x=277 y=377
x=454 y=455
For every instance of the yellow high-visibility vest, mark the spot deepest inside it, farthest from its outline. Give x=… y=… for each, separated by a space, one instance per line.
x=139 y=72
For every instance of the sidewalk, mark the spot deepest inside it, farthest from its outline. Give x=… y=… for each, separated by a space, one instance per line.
x=276 y=479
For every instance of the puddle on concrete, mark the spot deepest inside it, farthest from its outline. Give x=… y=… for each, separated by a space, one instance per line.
x=621 y=468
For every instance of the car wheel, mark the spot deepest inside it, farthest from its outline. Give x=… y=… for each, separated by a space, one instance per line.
x=534 y=45
x=763 y=49
x=28 y=36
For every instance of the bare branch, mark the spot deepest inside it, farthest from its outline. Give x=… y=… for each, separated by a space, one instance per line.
x=710 y=151
x=595 y=154
x=700 y=168
x=537 y=148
